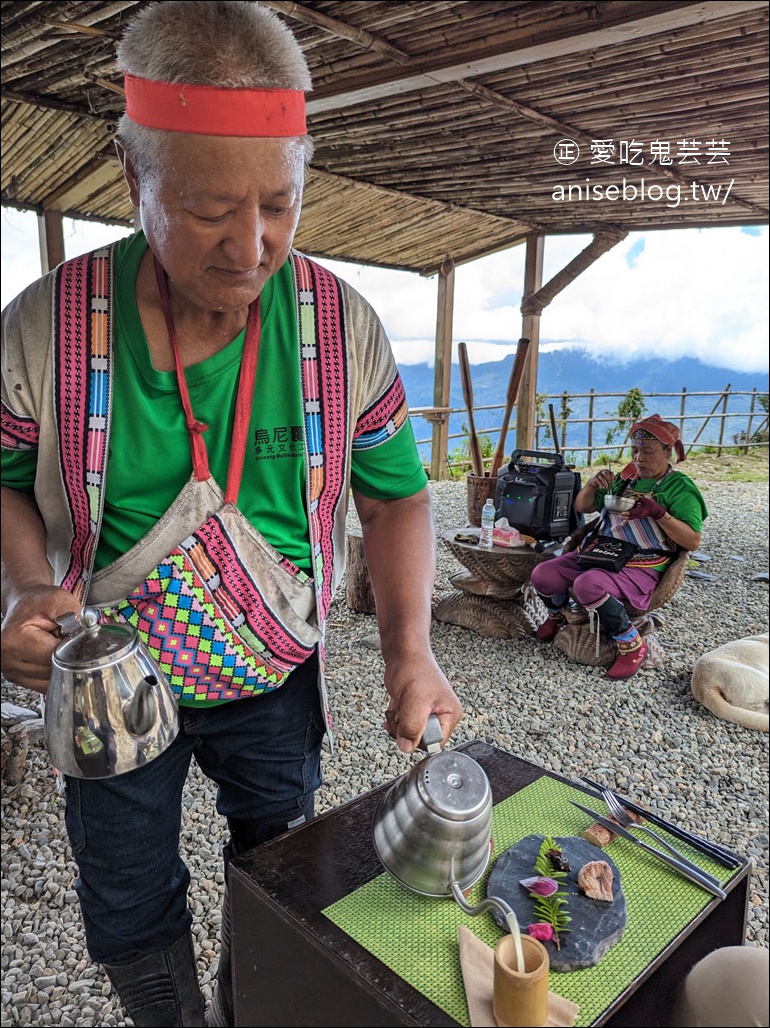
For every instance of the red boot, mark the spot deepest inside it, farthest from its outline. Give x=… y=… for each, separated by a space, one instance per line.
x=630 y=659
x=550 y=628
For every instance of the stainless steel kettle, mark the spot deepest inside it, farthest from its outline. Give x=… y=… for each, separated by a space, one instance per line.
x=432 y=829
x=109 y=708
x=433 y=826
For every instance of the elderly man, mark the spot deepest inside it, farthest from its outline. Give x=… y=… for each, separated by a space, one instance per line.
x=185 y=414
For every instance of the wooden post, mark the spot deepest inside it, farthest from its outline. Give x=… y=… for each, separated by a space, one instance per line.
x=536 y=297
x=722 y=425
x=443 y=371
x=681 y=413
x=526 y=408
x=50 y=235
x=751 y=418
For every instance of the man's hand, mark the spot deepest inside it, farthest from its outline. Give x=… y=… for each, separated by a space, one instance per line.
x=30 y=634
x=418 y=688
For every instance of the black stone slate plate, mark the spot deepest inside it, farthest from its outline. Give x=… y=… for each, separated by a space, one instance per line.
x=595 y=926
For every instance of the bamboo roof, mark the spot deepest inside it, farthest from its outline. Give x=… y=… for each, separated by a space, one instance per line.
x=436 y=124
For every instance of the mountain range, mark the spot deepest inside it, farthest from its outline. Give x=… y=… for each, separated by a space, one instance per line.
x=577 y=372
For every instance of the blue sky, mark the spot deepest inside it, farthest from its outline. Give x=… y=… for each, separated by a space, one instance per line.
x=684 y=293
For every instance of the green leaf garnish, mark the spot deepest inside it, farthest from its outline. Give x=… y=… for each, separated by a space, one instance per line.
x=551 y=909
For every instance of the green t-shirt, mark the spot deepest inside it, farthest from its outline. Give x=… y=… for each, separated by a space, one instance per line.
x=149 y=449
x=676 y=492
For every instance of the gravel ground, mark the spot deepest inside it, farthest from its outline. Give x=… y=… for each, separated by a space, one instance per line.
x=649 y=737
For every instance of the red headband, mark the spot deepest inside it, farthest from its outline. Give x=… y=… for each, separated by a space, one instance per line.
x=214 y=111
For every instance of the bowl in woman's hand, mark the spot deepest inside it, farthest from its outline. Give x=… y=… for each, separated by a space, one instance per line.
x=619 y=504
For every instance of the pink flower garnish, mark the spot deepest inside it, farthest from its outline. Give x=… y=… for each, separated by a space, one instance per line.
x=543 y=932
x=540 y=885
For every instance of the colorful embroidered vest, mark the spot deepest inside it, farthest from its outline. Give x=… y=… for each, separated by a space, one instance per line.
x=83 y=305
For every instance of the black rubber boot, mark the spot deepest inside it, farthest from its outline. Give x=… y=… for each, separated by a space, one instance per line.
x=220 y=1013
x=613 y=617
x=161 y=991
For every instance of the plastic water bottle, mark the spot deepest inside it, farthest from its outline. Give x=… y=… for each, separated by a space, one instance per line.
x=487 y=525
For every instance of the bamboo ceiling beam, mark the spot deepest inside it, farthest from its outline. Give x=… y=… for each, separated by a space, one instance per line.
x=93 y=176
x=366 y=40
x=113 y=87
x=627 y=21
x=45 y=103
x=86 y=30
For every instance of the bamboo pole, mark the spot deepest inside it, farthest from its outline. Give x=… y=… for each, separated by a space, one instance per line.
x=590 y=427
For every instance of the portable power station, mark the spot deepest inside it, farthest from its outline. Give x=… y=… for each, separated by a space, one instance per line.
x=538 y=498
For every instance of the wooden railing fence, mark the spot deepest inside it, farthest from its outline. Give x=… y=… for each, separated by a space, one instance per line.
x=737 y=419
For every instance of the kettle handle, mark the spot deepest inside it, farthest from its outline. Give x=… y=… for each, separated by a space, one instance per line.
x=71 y=624
x=433 y=736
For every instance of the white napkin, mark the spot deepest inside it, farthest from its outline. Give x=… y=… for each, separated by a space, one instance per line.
x=477 y=961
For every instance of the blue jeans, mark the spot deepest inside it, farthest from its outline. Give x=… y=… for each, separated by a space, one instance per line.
x=263 y=752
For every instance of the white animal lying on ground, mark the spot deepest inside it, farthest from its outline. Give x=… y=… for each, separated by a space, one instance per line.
x=732 y=681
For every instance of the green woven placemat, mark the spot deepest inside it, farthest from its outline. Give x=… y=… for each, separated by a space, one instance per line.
x=416 y=936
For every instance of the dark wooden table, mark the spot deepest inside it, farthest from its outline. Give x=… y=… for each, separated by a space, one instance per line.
x=293 y=966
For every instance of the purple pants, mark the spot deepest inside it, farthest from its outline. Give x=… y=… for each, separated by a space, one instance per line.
x=552 y=579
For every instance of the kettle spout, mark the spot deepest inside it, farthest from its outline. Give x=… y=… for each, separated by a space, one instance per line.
x=141 y=711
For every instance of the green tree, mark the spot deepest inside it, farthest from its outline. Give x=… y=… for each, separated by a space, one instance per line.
x=565 y=410
x=540 y=419
x=544 y=421
x=629 y=410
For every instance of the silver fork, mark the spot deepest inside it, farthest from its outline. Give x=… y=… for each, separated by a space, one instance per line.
x=622 y=816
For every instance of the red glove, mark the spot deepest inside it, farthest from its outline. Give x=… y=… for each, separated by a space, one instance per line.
x=646 y=507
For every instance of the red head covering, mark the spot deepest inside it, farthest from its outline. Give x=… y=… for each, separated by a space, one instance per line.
x=215 y=111
x=655 y=427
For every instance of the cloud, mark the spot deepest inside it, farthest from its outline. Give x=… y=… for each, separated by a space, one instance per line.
x=680 y=293
x=695 y=293
x=21 y=252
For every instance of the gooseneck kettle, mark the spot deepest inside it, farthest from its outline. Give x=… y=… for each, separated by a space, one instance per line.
x=109 y=708
x=432 y=829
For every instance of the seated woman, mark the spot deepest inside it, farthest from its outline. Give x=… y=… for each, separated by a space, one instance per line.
x=668 y=515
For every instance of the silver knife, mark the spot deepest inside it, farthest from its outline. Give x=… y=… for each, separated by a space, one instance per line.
x=697 y=876
x=711 y=849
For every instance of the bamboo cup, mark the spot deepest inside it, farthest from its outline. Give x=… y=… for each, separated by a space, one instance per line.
x=520 y=998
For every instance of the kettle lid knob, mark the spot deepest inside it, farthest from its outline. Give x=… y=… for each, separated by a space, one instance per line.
x=89 y=644
x=89 y=617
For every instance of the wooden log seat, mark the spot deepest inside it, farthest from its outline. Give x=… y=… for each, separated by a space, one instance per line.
x=358 y=586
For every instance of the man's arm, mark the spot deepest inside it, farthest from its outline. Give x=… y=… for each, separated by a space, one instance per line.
x=30 y=601
x=400 y=547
